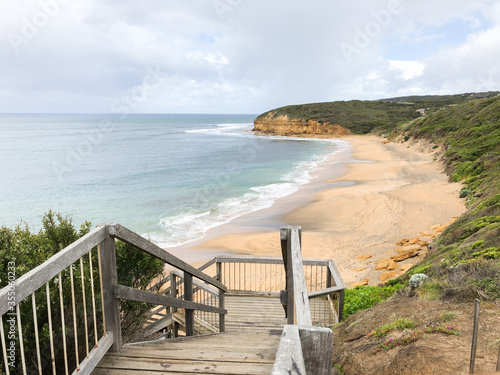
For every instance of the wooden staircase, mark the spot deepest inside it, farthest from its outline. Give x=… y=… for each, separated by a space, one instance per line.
x=253 y=330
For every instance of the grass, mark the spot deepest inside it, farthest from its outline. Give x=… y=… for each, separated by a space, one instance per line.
x=397 y=324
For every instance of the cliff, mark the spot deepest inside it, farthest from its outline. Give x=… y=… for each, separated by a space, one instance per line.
x=283 y=125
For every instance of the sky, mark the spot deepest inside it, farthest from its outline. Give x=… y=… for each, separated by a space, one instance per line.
x=239 y=56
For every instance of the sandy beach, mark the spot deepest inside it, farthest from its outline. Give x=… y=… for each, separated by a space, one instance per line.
x=389 y=192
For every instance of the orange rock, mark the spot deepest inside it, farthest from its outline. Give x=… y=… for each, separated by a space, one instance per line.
x=422 y=243
x=359 y=269
x=404 y=249
x=402 y=242
x=405 y=267
x=363 y=257
x=424 y=234
x=405 y=255
x=364 y=282
x=386 y=264
x=388 y=275
x=413 y=241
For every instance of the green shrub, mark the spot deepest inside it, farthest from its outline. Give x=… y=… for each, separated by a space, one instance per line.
x=464 y=193
x=363 y=297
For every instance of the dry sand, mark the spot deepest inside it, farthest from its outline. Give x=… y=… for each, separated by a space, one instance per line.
x=395 y=191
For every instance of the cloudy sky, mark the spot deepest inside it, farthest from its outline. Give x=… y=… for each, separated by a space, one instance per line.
x=239 y=56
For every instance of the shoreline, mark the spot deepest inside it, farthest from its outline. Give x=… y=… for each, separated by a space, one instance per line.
x=387 y=192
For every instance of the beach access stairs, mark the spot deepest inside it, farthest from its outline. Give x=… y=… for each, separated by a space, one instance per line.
x=233 y=315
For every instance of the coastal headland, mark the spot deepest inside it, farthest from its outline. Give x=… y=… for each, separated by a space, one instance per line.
x=389 y=192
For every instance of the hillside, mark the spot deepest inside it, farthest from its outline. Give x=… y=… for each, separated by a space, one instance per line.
x=355 y=116
x=428 y=329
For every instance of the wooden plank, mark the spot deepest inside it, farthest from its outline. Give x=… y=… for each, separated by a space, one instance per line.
x=228 y=354
x=317 y=346
x=134 y=239
x=243 y=259
x=324 y=292
x=95 y=355
x=152 y=366
x=301 y=299
x=336 y=275
x=197 y=283
x=289 y=359
x=125 y=292
x=39 y=276
x=109 y=282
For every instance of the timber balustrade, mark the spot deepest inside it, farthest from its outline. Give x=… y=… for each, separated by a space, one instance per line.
x=304 y=347
x=71 y=333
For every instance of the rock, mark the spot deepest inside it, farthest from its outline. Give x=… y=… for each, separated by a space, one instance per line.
x=424 y=234
x=405 y=255
x=402 y=242
x=422 y=243
x=386 y=264
x=361 y=283
x=405 y=267
x=404 y=249
x=359 y=269
x=413 y=241
x=388 y=275
x=363 y=257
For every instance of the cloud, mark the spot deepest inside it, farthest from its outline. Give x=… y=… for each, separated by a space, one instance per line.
x=240 y=56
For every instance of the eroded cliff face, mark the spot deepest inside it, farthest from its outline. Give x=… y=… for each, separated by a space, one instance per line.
x=282 y=125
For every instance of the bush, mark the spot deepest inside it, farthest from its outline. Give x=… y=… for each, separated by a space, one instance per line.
x=363 y=297
x=135 y=269
x=464 y=193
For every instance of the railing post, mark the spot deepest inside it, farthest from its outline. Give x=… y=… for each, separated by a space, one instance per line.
x=109 y=281
x=188 y=296
x=218 y=268
x=341 y=305
x=222 y=323
x=285 y=234
x=173 y=293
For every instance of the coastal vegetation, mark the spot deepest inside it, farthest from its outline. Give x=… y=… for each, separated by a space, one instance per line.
x=26 y=249
x=364 y=116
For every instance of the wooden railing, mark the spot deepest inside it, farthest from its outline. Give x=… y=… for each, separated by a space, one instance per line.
x=303 y=347
x=267 y=276
x=93 y=305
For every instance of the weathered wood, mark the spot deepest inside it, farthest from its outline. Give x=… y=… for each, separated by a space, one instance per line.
x=206 y=265
x=289 y=359
x=336 y=274
x=301 y=300
x=288 y=262
x=474 y=337
x=243 y=259
x=317 y=344
x=125 y=292
x=222 y=317
x=95 y=355
x=109 y=282
x=188 y=296
x=197 y=283
x=324 y=292
x=39 y=276
x=134 y=239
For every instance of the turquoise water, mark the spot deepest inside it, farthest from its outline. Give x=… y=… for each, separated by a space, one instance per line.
x=172 y=177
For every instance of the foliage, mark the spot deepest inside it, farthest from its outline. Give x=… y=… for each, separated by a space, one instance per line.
x=414 y=337
x=397 y=324
x=361 y=117
x=464 y=263
x=364 y=297
x=27 y=250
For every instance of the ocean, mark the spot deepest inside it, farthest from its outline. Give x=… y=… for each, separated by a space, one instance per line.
x=169 y=177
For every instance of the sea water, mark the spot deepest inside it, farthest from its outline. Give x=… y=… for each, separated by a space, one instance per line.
x=166 y=176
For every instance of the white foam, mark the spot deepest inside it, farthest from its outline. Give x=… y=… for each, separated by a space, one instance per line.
x=191 y=226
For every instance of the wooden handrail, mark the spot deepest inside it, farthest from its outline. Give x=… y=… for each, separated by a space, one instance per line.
x=198 y=284
x=134 y=239
x=40 y=275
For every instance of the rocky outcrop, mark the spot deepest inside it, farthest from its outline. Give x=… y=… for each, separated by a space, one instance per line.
x=282 y=125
